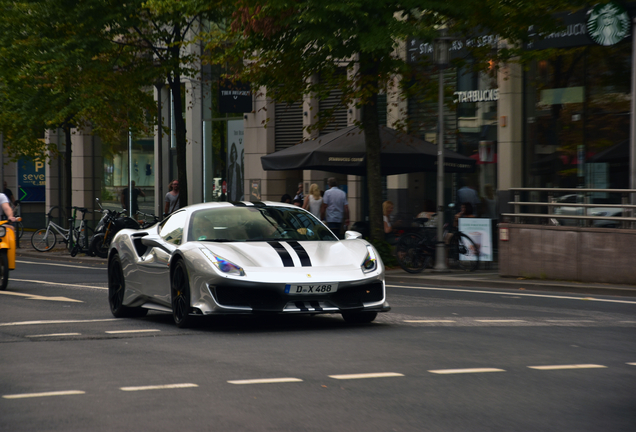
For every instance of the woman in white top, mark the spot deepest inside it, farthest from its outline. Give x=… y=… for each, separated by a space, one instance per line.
x=313 y=200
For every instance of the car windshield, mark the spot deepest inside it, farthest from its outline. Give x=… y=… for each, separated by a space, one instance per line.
x=266 y=223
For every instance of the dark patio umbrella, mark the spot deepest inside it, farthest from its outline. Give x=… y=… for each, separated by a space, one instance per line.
x=344 y=152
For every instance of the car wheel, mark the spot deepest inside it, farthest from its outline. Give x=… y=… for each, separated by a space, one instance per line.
x=4 y=269
x=359 y=317
x=116 y=291
x=180 y=291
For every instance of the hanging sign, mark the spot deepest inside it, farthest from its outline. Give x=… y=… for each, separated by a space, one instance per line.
x=234 y=97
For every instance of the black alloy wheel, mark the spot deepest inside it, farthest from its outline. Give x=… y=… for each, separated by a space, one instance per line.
x=180 y=292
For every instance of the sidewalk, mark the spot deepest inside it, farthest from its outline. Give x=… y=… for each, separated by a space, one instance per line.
x=489 y=279
x=483 y=278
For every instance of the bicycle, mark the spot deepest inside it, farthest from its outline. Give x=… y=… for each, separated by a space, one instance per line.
x=416 y=250
x=76 y=238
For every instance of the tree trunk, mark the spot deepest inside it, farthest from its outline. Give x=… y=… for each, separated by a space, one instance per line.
x=180 y=134
x=370 y=123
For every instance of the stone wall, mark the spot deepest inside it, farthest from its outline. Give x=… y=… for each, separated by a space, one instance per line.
x=569 y=253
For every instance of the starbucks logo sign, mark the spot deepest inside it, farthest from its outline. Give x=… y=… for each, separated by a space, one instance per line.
x=608 y=24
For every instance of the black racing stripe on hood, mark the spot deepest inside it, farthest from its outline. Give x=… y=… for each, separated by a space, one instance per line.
x=282 y=252
x=305 y=261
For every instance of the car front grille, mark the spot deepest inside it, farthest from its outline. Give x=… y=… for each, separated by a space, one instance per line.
x=355 y=296
x=256 y=298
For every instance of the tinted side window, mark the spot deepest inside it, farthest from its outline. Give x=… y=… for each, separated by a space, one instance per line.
x=172 y=229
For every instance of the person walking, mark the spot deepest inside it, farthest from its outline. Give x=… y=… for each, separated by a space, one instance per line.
x=299 y=193
x=172 y=198
x=135 y=195
x=313 y=201
x=335 y=207
x=9 y=195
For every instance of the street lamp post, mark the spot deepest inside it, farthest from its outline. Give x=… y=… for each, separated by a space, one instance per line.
x=441 y=50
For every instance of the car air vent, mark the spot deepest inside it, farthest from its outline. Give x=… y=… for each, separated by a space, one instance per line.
x=139 y=235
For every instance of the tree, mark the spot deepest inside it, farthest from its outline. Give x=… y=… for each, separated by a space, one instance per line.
x=282 y=44
x=60 y=68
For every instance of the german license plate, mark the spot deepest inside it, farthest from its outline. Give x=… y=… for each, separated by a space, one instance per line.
x=311 y=289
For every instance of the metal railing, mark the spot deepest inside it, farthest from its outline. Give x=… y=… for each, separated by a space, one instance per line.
x=627 y=219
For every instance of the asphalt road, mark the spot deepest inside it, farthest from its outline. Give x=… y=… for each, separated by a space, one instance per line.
x=443 y=359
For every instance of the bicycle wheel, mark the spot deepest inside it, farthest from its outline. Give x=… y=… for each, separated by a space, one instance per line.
x=85 y=239
x=20 y=229
x=43 y=240
x=412 y=253
x=463 y=253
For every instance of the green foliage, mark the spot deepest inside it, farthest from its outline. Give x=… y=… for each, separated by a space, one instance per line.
x=385 y=250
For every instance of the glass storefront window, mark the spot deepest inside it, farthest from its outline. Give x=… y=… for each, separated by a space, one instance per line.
x=577 y=105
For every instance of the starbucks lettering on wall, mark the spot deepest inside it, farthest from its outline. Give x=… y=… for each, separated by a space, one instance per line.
x=608 y=24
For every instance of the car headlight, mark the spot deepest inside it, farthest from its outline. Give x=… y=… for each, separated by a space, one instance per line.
x=370 y=262
x=223 y=265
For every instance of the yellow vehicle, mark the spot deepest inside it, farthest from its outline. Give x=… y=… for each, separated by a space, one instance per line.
x=7 y=252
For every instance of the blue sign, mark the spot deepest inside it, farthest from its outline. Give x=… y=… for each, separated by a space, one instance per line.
x=31 y=180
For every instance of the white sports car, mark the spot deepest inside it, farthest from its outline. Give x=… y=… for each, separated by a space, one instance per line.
x=242 y=258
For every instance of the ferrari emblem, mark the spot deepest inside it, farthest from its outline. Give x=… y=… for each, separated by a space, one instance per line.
x=308 y=275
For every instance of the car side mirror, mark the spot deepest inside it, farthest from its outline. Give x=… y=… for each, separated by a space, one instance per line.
x=352 y=235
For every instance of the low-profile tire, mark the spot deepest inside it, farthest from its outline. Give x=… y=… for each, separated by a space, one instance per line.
x=180 y=293
x=117 y=290
x=4 y=270
x=43 y=241
x=359 y=317
x=98 y=247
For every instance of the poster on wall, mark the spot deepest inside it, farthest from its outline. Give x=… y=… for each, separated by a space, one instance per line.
x=31 y=181
x=235 y=156
x=480 y=232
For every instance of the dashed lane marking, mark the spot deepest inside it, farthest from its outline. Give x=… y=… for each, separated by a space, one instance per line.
x=159 y=387
x=499 y=320
x=53 y=335
x=366 y=375
x=632 y=364
x=511 y=294
x=60 y=265
x=20 y=323
x=265 y=381
x=571 y=366
x=463 y=371
x=568 y=321
x=132 y=331
x=59 y=284
x=45 y=394
x=38 y=297
x=429 y=321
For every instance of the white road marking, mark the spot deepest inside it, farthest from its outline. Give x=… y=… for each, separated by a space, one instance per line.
x=366 y=375
x=429 y=321
x=511 y=294
x=132 y=331
x=499 y=320
x=54 y=334
x=159 y=387
x=462 y=371
x=568 y=320
x=33 y=395
x=632 y=364
x=37 y=297
x=572 y=366
x=59 y=284
x=55 y=322
x=60 y=265
x=265 y=381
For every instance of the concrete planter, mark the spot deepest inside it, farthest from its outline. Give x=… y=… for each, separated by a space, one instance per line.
x=569 y=253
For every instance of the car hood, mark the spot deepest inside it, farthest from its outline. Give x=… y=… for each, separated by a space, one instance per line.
x=282 y=254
